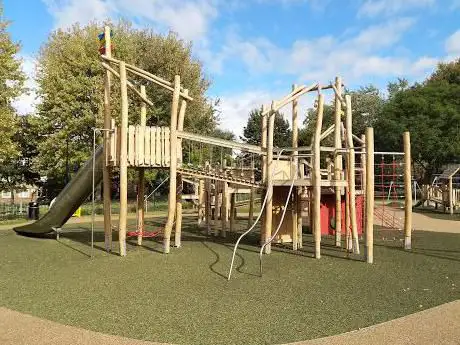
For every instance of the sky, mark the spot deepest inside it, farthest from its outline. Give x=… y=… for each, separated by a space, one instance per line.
x=254 y=50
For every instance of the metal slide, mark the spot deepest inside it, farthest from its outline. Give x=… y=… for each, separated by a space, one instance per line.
x=71 y=197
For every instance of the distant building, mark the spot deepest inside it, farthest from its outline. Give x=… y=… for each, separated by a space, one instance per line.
x=24 y=195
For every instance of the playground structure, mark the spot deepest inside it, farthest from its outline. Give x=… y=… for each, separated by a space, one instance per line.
x=444 y=191
x=330 y=188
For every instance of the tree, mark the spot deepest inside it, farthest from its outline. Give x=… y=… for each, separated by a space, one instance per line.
x=366 y=102
x=16 y=172
x=252 y=133
x=70 y=80
x=11 y=86
x=431 y=112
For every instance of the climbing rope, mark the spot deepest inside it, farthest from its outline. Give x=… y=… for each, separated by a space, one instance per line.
x=235 y=248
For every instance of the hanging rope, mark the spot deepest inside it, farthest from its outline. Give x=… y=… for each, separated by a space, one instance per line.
x=235 y=248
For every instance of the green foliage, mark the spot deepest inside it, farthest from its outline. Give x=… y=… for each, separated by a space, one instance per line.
x=11 y=86
x=367 y=103
x=252 y=133
x=70 y=79
x=16 y=172
x=431 y=113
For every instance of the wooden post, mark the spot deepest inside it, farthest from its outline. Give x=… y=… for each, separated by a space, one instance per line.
x=180 y=184
x=123 y=160
x=172 y=167
x=299 y=218
x=201 y=201
x=106 y=170
x=264 y=144
x=208 y=210
x=316 y=178
x=369 y=195
x=224 y=210
x=232 y=211
x=408 y=192
x=141 y=181
x=294 y=174
x=251 y=207
x=351 y=176
x=363 y=177
x=338 y=164
x=269 y=176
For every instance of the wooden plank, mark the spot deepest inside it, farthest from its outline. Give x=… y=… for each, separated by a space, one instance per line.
x=131 y=144
x=153 y=132
x=147 y=146
x=136 y=145
x=167 y=151
x=140 y=146
x=158 y=146
x=118 y=145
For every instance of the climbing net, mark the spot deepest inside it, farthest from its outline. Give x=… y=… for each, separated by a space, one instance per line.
x=389 y=188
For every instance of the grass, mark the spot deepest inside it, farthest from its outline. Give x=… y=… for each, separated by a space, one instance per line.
x=185 y=298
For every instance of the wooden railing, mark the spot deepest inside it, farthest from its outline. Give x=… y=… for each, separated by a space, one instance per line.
x=147 y=147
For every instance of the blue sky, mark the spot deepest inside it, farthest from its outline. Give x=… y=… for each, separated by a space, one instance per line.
x=253 y=50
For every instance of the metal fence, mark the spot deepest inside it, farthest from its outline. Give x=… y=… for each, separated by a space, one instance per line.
x=13 y=211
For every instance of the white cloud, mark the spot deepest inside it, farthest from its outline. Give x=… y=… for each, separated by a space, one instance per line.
x=452 y=44
x=372 y=8
x=235 y=108
x=67 y=12
x=189 y=18
x=25 y=104
x=367 y=53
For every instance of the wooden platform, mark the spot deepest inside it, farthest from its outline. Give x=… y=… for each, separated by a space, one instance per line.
x=147 y=147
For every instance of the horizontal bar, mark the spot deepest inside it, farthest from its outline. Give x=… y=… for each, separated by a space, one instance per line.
x=130 y=85
x=220 y=142
x=389 y=153
x=149 y=76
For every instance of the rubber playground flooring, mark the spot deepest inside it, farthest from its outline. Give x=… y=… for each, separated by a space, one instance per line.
x=184 y=297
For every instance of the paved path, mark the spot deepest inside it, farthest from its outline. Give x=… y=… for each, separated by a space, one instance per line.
x=436 y=326
x=439 y=325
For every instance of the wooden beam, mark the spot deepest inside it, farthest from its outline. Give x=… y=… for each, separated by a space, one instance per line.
x=123 y=161
x=143 y=97
x=327 y=132
x=220 y=142
x=369 y=195
x=408 y=192
x=141 y=178
x=149 y=76
x=294 y=171
x=351 y=175
x=338 y=164
x=201 y=201
x=172 y=167
x=269 y=203
x=264 y=144
x=106 y=170
x=316 y=177
x=180 y=185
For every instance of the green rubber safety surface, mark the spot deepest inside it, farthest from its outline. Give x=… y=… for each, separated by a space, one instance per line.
x=185 y=298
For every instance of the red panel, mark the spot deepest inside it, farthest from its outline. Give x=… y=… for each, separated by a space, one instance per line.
x=328 y=214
